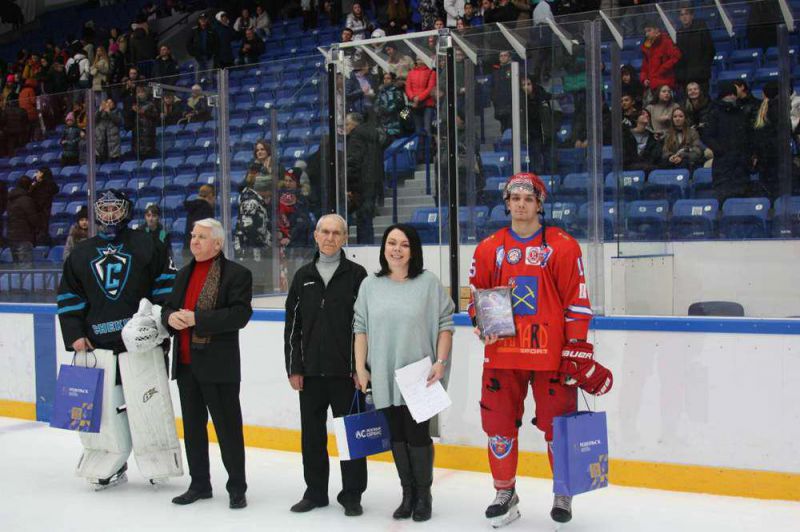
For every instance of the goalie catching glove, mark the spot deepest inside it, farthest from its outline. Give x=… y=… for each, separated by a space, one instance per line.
x=578 y=367
x=144 y=330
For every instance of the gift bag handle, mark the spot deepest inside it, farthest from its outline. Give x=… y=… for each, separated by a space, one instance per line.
x=86 y=354
x=355 y=403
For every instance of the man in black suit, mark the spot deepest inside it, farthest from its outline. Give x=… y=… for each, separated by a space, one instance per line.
x=210 y=302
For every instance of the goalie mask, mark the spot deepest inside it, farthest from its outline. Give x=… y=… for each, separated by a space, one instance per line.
x=112 y=210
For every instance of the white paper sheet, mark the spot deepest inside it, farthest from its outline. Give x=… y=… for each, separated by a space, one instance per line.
x=423 y=401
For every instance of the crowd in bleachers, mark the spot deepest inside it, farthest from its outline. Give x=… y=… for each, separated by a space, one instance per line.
x=694 y=136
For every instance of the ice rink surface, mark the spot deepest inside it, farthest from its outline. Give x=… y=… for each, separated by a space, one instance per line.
x=38 y=491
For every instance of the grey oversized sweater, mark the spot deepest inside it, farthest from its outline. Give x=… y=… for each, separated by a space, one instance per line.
x=402 y=321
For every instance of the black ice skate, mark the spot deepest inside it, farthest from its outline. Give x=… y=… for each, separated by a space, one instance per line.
x=504 y=508
x=120 y=477
x=562 y=508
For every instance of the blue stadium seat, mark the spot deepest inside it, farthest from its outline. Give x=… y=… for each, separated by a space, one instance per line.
x=744 y=218
x=571 y=160
x=426 y=222
x=632 y=182
x=647 y=219
x=610 y=222
x=56 y=254
x=497 y=219
x=666 y=184
x=786 y=219
x=73 y=207
x=183 y=180
x=562 y=214
x=493 y=189
x=480 y=216
x=736 y=74
x=701 y=183
x=59 y=231
x=173 y=162
x=746 y=58
x=292 y=153
x=400 y=158
x=694 y=219
x=144 y=202
x=574 y=188
x=499 y=161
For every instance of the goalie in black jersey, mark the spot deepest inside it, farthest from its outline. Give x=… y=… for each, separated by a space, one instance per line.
x=104 y=279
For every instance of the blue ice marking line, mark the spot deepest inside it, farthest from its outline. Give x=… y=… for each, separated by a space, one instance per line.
x=44 y=346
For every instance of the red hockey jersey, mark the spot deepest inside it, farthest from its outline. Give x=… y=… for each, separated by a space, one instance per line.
x=549 y=296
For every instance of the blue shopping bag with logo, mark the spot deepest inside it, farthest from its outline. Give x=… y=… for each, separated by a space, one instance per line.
x=580 y=453
x=361 y=434
x=78 y=403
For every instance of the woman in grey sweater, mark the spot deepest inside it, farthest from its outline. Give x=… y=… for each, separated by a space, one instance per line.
x=403 y=314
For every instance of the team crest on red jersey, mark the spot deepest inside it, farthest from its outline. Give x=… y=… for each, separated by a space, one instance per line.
x=514 y=255
x=537 y=255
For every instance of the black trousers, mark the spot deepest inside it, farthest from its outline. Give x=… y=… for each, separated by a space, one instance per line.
x=222 y=401
x=405 y=430
x=318 y=393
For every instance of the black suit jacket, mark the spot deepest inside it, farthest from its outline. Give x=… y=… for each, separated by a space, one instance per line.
x=218 y=361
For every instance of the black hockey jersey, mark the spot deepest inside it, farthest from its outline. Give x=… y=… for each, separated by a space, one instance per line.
x=104 y=280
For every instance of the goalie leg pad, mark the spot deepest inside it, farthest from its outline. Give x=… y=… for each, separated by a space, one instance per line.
x=105 y=452
x=150 y=413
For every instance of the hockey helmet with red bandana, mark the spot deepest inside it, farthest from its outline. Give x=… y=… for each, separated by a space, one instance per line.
x=525 y=182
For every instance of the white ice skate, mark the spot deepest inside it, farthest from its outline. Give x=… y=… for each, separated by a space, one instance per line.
x=503 y=510
x=120 y=477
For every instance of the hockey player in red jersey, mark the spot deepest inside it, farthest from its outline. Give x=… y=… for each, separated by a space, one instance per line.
x=551 y=309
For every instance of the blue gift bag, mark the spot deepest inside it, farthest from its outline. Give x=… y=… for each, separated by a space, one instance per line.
x=78 y=403
x=580 y=453
x=361 y=434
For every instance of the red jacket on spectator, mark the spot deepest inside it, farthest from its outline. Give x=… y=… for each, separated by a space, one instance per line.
x=421 y=82
x=27 y=99
x=658 y=62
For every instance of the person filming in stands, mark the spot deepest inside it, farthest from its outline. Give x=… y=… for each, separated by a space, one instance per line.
x=403 y=314
x=551 y=310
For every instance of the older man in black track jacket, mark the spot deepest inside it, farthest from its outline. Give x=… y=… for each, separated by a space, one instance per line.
x=318 y=342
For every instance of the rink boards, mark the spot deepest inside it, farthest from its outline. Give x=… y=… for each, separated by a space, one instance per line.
x=700 y=405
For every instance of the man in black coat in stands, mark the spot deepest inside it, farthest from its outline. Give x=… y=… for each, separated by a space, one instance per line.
x=203 y=44
x=365 y=145
x=165 y=68
x=209 y=304
x=697 y=51
x=23 y=222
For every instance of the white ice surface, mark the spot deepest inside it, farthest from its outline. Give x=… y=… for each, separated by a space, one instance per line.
x=38 y=491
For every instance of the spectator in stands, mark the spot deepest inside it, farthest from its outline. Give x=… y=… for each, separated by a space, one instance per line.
x=27 y=101
x=659 y=57
x=147 y=119
x=728 y=134
x=263 y=23
x=309 y=10
x=152 y=226
x=197 y=109
x=540 y=125
x=294 y=228
x=420 y=85
x=77 y=68
x=501 y=90
x=33 y=67
x=55 y=82
x=199 y=209
x=398 y=17
x=128 y=97
x=361 y=88
x=630 y=111
x=116 y=62
x=429 y=12
x=142 y=48
x=203 y=44
x=454 y=10
x=630 y=83
x=15 y=127
x=252 y=48
x=766 y=142
x=697 y=106
x=226 y=37
x=357 y=21
x=252 y=235
x=43 y=190
x=107 y=123
x=100 y=70
x=640 y=149
x=347 y=35
x=471 y=15
x=261 y=164
x=364 y=152
x=389 y=102
x=697 y=50
x=78 y=232
x=24 y=222
x=79 y=112
x=172 y=109
x=399 y=63
x=3 y=206
x=682 y=146
x=745 y=99
x=504 y=11
x=661 y=111
x=165 y=68
x=70 y=141
x=761 y=24
x=244 y=22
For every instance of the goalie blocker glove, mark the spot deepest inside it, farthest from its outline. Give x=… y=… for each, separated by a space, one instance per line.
x=578 y=368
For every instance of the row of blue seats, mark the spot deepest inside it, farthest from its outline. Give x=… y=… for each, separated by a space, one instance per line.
x=739 y=218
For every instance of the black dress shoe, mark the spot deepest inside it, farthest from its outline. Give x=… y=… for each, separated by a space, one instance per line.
x=306 y=505
x=191 y=496
x=238 y=500
x=352 y=508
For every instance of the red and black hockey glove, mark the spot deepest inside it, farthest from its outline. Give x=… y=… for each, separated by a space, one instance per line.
x=578 y=368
